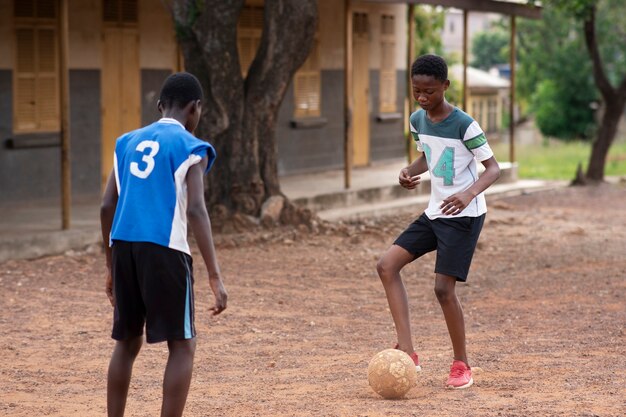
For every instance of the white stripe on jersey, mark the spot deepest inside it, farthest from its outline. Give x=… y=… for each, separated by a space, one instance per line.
x=178 y=235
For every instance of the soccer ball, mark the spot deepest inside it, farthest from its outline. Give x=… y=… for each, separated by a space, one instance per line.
x=391 y=373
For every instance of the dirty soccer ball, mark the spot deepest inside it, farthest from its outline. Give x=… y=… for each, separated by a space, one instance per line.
x=391 y=373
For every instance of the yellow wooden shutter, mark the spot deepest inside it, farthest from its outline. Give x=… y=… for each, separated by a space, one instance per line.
x=47 y=99
x=120 y=12
x=46 y=9
x=307 y=85
x=36 y=78
x=387 y=66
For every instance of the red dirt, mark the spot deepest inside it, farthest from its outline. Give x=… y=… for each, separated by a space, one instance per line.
x=545 y=309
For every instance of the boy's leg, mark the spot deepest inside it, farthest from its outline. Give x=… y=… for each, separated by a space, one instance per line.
x=445 y=286
x=120 y=371
x=177 y=376
x=388 y=268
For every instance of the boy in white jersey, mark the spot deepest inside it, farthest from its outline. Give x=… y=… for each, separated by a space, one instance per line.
x=451 y=142
x=155 y=186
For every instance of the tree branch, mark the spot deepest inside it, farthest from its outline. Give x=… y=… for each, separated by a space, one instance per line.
x=605 y=87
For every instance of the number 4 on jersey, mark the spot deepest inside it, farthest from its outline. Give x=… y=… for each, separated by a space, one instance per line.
x=444 y=168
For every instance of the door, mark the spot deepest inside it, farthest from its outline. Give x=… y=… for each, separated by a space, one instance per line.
x=120 y=89
x=360 y=89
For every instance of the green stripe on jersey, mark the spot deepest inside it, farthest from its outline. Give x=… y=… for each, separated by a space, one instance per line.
x=476 y=142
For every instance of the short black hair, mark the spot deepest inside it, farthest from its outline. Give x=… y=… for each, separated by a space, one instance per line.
x=433 y=65
x=179 y=89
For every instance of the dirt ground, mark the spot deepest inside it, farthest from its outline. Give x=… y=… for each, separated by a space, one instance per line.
x=545 y=309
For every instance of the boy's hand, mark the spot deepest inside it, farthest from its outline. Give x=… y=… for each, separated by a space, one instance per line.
x=456 y=203
x=108 y=287
x=407 y=181
x=221 y=296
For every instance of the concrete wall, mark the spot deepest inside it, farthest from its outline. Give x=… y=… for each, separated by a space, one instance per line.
x=316 y=148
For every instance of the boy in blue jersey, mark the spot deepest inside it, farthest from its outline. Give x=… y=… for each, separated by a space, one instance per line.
x=156 y=186
x=451 y=142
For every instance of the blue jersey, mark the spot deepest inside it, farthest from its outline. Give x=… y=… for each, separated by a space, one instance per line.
x=151 y=166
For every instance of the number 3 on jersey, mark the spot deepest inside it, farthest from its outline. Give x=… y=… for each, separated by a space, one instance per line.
x=148 y=159
x=444 y=168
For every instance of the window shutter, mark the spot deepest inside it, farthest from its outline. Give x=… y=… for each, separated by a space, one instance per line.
x=25 y=114
x=24 y=8
x=387 y=66
x=110 y=9
x=307 y=85
x=120 y=12
x=129 y=11
x=46 y=9
x=36 y=78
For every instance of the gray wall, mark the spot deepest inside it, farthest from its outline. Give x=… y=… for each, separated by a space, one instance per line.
x=35 y=173
x=86 y=131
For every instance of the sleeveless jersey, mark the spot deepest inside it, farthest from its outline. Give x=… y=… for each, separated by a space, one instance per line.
x=151 y=166
x=451 y=148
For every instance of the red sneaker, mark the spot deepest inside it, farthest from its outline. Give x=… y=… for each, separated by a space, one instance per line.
x=460 y=376
x=416 y=360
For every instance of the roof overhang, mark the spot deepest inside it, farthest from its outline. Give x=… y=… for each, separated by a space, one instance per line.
x=510 y=8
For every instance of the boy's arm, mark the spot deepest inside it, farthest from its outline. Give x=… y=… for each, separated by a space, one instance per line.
x=107 y=211
x=409 y=176
x=457 y=202
x=200 y=223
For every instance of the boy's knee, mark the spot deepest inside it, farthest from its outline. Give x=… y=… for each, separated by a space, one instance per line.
x=130 y=347
x=444 y=293
x=183 y=347
x=384 y=268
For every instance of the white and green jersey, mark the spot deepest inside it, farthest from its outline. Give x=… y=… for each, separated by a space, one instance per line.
x=451 y=148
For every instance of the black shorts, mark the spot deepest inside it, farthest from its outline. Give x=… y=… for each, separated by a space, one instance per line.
x=454 y=238
x=153 y=285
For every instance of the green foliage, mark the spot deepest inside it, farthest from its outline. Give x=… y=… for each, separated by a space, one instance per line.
x=454 y=94
x=429 y=23
x=555 y=75
x=490 y=48
x=611 y=32
x=428 y=27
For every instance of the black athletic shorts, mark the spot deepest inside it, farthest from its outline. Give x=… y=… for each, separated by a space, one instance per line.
x=153 y=285
x=454 y=238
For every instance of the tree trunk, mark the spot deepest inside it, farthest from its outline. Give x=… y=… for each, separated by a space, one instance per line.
x=606 y=135
x=239 y=116
x=614 y=101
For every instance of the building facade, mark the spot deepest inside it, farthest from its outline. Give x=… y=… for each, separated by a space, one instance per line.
x=120 y=51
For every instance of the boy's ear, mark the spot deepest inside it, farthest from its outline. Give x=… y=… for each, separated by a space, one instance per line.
x=159 y=106
x=446 y=84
